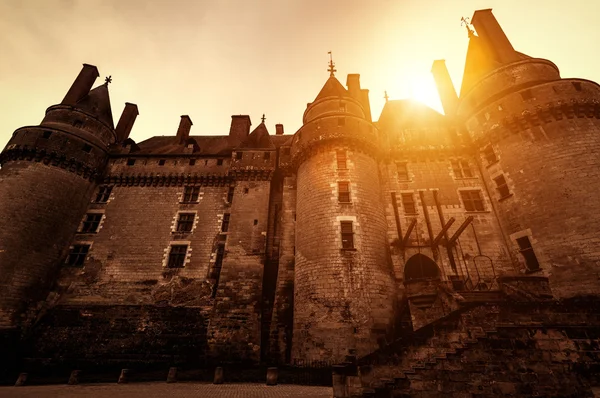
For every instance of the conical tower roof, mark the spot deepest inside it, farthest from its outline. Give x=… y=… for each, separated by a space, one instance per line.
x=258 y=138
x=97 y=103
x=332 y=88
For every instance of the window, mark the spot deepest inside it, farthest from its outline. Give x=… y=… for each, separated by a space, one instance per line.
x=78 y=123
x=161 y=162
x=528 y=254
x=402 y=171
x=46 y=134
x=502 y=186
x=347 y=235
x=225 y=223
x=192 y=162
x=341 y=160
x=267 y=156
x=190 y=194
x=230 y=192
x=408 y=202
x=344 y=192
x=490 y=155
x=526 y=95
x=472 y=200
x=219 y=162
x=86 y=148
x=215 y=273
x=185 y=222
x=239 y=155
x=577 y=86
x=177 y=256
x=91 y=223
x=461 y=169
x=130 y=162
x=77 y=255
x=255 y=222
x=342 y=106
x=103 y=193
x=246 y=190
x=341 y=121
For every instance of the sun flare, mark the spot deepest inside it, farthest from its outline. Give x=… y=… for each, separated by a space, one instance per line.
x=423 y=89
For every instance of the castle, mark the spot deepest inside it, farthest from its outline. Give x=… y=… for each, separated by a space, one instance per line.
x=384 y=246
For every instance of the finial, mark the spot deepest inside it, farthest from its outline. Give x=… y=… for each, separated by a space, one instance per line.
x=386 y=96
x=263 y=118
x=108 y=80
x=465 y=21
x=331 y=68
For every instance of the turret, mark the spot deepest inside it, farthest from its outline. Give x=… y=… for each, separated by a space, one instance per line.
x=344 y=289
x=537 y=136
x=47 y=179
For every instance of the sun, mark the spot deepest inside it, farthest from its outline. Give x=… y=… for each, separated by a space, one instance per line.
x=423 y=89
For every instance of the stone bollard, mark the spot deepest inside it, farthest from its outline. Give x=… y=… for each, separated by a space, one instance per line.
x=218 y=375
x=74 y=378
x=172 y=376
x=124 y=377
x=272 y=376
x=339 y=382
x=21 y=380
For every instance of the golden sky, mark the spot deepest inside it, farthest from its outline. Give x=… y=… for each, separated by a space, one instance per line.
x=212 y=59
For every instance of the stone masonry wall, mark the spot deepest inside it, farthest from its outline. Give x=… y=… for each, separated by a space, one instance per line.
x=343 y=299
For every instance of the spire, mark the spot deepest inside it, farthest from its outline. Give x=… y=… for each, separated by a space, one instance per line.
x=97 y=103
x=385 y=95
x=465 y=22
x=108 y=80
x=331 y=68
x=263 y=118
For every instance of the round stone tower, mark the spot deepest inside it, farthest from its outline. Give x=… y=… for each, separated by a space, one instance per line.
x=47 y=179
x=538 y=138
x=344 y=287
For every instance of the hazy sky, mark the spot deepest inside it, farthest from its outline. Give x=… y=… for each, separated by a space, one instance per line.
x=212 y=59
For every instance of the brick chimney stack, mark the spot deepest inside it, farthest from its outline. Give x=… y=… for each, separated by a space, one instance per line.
x=240 y=127
x=82 y=84
x=445 y=88
x=490 y=31
x=183 y=131
x=126 y=121
x=279 y=129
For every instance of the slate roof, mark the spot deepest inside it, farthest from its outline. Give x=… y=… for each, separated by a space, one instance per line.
x=97 y=102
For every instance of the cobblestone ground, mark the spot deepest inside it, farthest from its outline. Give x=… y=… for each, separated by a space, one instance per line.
x=175 y=390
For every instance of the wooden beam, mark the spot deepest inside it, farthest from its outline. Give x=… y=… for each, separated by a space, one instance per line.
x=409 y=231
x=460 y=230
x=443 y=232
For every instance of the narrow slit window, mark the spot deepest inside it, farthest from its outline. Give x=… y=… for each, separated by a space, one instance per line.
x=215 y=273
x=472 y=200
x=185 y=222
x=77 y=255
x=408 y=202
x=103 y=193
x=341 y=160
x=402 y=171
x=239 y=155
x=219 y=162
x=225 y=222
x=344 y=192
x=502 y=186
x=161 y=162
x=190 y=194
x=192 y=162
x=347 y=234
x=528 y=254
x=46 y=134
x=130 y=162
x=86 y=148
x=177 y=256
x=230 y=193
x=91 y=223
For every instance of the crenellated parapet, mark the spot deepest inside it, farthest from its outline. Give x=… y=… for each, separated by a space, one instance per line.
x=166 y=180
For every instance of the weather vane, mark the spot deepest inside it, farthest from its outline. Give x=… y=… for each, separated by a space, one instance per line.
x=386 y=96
x=108 y=80
x=263 y=118
x=331 y=68
x=465 y=21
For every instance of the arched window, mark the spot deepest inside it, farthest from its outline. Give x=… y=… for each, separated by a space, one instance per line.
x=420 y=266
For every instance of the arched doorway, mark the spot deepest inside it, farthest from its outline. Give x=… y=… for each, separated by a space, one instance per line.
x=420 y=266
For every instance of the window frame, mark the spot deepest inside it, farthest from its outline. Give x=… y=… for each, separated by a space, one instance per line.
x=77 y=255
x=502 y=186
x=402 y=169
x=461 y=169
x=470 y=203
x=490 y=155
x=225 y=222
x=409 y=198
x=177 y=259
x=187 y=223
x=341 y=158
x=89 y=226
x=347 y=234
x=344 y=194
x=528 y=253
x=104 y=192
x=192 y=196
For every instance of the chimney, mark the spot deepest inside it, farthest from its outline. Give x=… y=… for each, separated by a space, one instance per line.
x=279 y=129
x=126 y=121
x=240 y=127
x=82 y=85
x=489 y=30
x=445 y=87
x=183 y=131
x=353 y=84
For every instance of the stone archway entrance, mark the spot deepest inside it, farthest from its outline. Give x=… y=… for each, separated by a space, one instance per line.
x=420 y=267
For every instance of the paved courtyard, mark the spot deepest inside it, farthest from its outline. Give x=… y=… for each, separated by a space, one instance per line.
x=161 y=389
